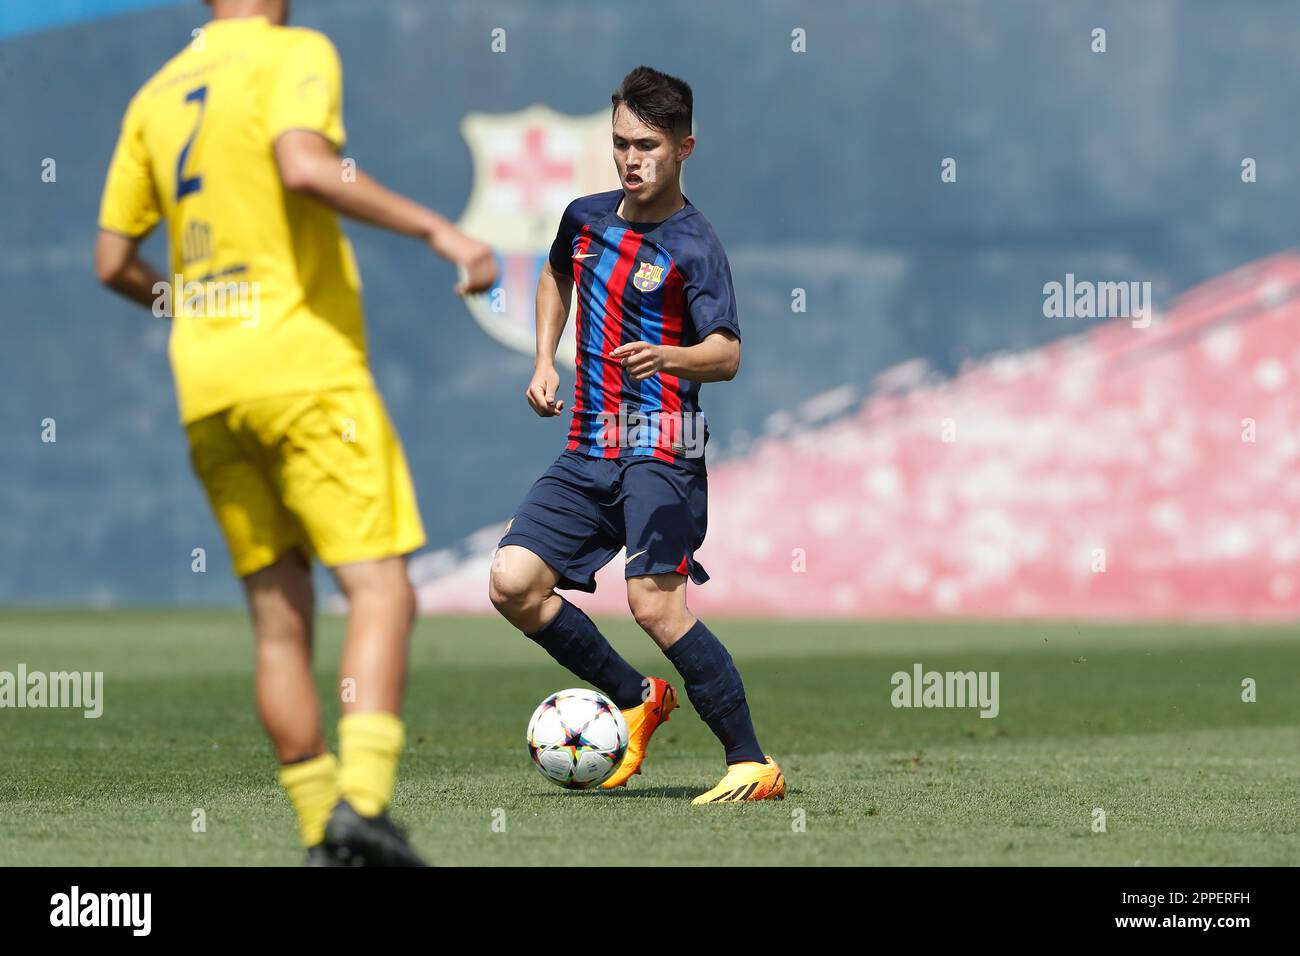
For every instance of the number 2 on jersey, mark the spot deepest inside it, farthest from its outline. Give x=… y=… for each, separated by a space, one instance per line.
x=192 y=184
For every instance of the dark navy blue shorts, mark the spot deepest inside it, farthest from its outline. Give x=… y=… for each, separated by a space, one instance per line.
x=584 y=510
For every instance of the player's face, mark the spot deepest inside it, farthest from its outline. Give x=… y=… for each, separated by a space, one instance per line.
x=275 y=11
x=648 y=158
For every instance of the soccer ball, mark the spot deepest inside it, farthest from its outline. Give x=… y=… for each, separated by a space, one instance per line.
x=577 y=738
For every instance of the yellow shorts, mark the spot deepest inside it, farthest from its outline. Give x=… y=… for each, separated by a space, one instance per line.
x=322 y=471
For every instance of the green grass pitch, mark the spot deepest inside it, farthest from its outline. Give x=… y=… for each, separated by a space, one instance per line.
x=1145 y=722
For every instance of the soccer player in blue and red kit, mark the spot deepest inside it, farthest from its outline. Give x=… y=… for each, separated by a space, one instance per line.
x=656 y=317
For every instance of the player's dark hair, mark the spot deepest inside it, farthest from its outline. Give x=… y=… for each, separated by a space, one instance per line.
x=656 y=99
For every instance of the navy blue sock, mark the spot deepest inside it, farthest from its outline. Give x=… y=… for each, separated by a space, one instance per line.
x=573 y=640
x=716 y=692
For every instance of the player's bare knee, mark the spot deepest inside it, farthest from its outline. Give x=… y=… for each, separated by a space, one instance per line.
x=511 y=591
x=281 y=633
x=655 y=623
x=278 y=620
x=657 y=614
x=394 y=597
x=383 y=582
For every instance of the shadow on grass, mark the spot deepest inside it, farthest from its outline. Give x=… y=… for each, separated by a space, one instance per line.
x=622 y=794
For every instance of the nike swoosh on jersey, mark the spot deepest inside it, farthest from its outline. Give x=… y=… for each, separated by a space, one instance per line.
x=585 y=255
x=632 y=557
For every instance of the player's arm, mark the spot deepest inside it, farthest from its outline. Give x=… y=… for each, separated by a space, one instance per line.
x=129 y=210
x=711 y=306
x=119 y=266
x=716 y=359
x=304 y=110
x=554 y=295
x=309 y=164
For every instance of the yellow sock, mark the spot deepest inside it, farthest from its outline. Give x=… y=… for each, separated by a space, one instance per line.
x=313 y=788
x=369 y=748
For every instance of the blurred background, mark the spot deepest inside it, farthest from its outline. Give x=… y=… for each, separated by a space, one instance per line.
x=910 y=434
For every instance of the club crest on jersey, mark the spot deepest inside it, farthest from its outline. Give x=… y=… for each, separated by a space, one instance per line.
x=527 y=167
x=648 y=277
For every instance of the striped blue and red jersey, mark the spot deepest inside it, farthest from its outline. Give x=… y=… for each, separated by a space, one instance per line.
x=665 y=283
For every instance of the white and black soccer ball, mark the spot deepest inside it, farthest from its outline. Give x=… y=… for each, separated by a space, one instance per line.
x=577 y=738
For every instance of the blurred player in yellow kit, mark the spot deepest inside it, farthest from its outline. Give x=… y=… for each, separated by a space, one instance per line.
x=236 y=143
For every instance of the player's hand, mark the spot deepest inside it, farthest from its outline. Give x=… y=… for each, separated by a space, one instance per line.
x=478 y=268
x=640 y=359
x=541 y=392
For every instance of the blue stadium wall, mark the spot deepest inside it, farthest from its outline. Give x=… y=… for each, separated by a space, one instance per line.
x=818 y=170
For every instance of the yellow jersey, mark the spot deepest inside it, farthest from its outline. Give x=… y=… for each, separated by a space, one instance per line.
x=264 y=293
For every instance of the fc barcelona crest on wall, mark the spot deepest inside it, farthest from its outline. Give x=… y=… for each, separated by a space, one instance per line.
x=527 y=167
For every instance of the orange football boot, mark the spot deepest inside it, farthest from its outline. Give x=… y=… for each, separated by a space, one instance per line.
x=747 y=781
x=642 y=721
